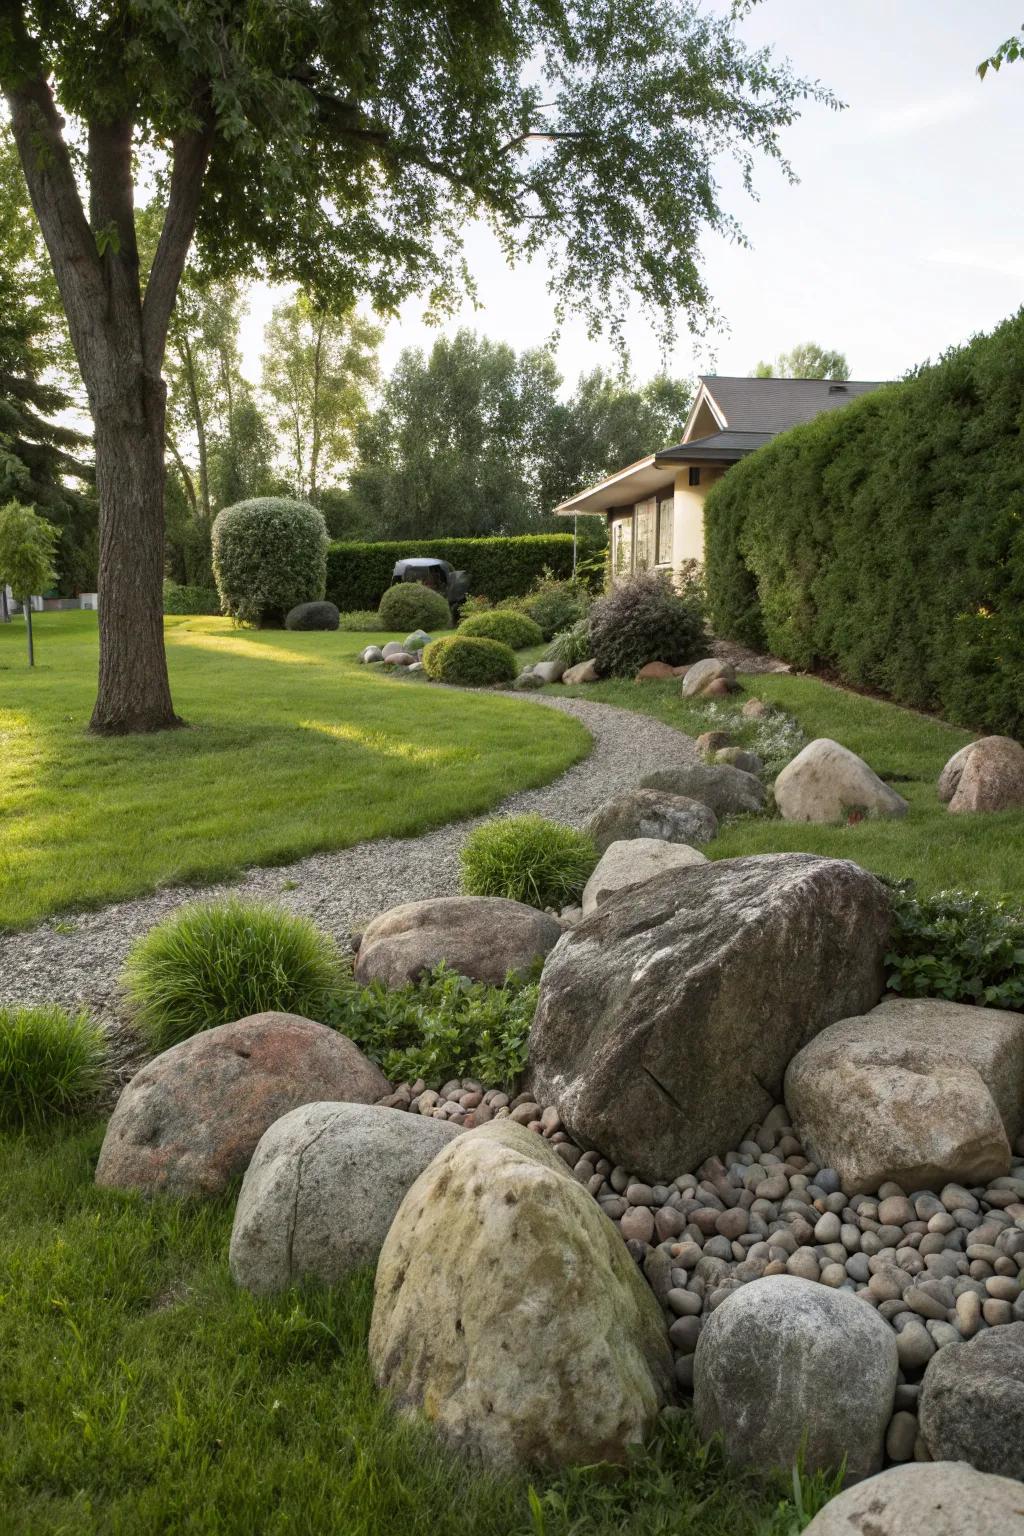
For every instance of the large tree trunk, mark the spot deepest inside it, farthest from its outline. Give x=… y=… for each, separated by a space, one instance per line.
x=134 y=693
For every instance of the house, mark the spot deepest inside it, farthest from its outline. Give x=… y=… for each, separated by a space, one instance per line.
x=655 y=507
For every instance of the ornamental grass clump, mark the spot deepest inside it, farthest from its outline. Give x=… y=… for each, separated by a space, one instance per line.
x=410 y=605
x=505 y=626
x=528 y=859
x=467 y=662
x=52 y=1065
x=215 y=962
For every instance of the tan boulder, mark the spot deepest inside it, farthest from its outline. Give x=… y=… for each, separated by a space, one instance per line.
x=582 y=672
x=710 y=742
x=938 y=1498
x=508 y=1312
x=482 y=937
x=630 y=862
x=986 y=775
x=937 y=1082
x=702 y=674
x=654 y=671
x=827 y=782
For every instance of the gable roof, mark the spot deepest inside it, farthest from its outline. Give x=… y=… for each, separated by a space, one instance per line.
x=772 y=405
x=724 y=447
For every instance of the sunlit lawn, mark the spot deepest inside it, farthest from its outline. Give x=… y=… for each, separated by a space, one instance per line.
x=291 y=747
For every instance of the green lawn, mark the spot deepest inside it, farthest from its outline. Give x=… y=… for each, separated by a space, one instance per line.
x=141 y=1393
x=908 y=750
x=292 y=747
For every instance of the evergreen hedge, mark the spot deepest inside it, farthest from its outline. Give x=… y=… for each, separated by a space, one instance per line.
x=885 y=541
x=359 y=574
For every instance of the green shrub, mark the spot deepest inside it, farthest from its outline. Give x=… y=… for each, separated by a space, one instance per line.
x=883 y=541
x=474 y=605
x=556 y=605
x=442 y=1027
x=468 y=662
x=571 y=646
x=313 y=616
x=644 y=619
x=360 y=621
x=513 y=629
x=527 y=858
x=52 y=1064
x=269 y=555
x=359 y=574
x=957 y=945
x=410 y=605
x=214 y=962
x=192 y=600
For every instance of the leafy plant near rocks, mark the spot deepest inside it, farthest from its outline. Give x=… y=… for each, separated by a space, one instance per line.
x=514 y=629
x=644 y=619
x=444 y=1026
x=957 y=945
x=556 y=605
x=410 y=605
x=468 y=662
x=214 y=962
x=52 y=1064
x=269 y=555
x=571 y=646
x=528 y=859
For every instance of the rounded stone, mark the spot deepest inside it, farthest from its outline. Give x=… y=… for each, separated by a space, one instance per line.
x=942 y=1498
x=638 y=1223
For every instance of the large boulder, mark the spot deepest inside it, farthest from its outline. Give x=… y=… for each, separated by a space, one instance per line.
x=698 y=678
x=508 y=1310
x=322 y=1190
x=482 y=937
x=986 y=775
x=729 y=791
x=938 y=1083
x=972 y=1403
x=784 y=1366
x=665 y=1022
x=942 y=1498
x=582 y=672
x=189 y=1121
x=827 y=782
x=631 y=863
x=651 y=813
x=549 y=671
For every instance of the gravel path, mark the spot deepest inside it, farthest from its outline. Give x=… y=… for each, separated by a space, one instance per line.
x=341 y=889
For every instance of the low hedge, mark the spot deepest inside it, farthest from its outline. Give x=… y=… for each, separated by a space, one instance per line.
x=359 y=574
x=190 y=600
x=885 y=541
x=514 y=629
x=469 y=663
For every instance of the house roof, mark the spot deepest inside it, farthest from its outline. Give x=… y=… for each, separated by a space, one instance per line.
x=772 y=405
x=721 y=447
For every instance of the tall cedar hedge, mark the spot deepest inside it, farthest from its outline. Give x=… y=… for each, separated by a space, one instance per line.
x=886 y=540
x=358 y=574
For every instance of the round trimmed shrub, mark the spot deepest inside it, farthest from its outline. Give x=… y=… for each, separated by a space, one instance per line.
x=269 y=555
x=215 y=962
x=313 y=616
x=556 y=606
x=410 y=605
x=468 y=661
x=529 y=859
x=514 y=629
x=644 y=619
x=52 y=1064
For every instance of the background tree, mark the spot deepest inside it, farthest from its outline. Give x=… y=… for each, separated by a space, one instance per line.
x=26 y=558
x=806 y=361
x=317 y=366
x=344 y=144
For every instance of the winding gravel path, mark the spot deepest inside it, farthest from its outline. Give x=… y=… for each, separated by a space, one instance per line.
x=338 y=890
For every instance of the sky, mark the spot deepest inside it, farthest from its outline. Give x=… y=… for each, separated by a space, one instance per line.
x=904 y=235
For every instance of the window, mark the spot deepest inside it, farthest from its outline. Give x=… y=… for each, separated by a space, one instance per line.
x=643 y=542
x=622 y=546
x=666 y=519
x=695 y=477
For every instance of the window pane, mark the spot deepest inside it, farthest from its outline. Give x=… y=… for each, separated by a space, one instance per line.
x=622 y=546
x=666 y=519
x=645 y=532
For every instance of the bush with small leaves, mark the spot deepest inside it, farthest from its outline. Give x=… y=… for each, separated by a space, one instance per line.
x=214 y=962
x=468 y=662
x=313 y=616
x=514 y=629
x=644 y=619
x=556 y=605
x=190 y=600
x=52 y=1064
x=529 y=859
x=958 y=945
x=269 y=555
x=410 y=605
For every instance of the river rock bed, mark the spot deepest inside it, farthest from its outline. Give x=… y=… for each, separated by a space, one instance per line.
x=939 y=1267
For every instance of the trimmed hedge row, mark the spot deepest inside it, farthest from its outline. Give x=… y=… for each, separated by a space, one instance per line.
x=886 y=540
x=359 y=574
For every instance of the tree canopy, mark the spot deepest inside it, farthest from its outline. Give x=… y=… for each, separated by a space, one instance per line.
x=805 y=361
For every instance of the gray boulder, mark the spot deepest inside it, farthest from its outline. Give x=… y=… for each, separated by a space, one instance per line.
x=651 y=813
x=665 y=1022
x=939 y=1498
x=392 y=648
x=582 y=672
x=703 y=673
x=508 y=1310
x=483 y=937
x=990 y=776
x=937 y=1082
x=371 y=653
x=726 y=788
x=737 y=757
x=417 y=640
x=785 y=1366
x=972 y=1403
x=528 y=682
x=630 y=863
x=549 y=671
x=322 y=1190
x=827 y=782
x=189 y=1121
